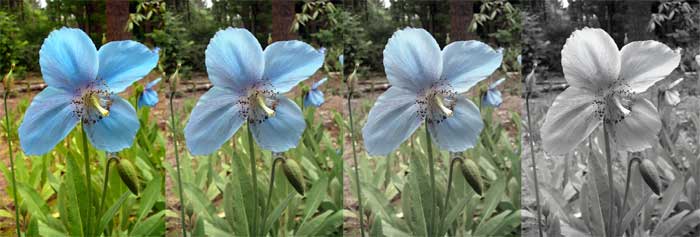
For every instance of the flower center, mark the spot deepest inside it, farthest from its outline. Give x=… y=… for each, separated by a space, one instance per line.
x=259 y=105
x=614 y=105
x=437 y=104
x=92 y=105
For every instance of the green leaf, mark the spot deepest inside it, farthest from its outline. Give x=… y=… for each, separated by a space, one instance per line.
x=149 y=196
x=277 y=212
x=152 y=226
x=314 y=198
x=111 y=212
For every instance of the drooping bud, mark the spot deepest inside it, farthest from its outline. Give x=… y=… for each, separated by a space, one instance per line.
x=129 y=175
x=470 y=171
x=650 y=174
x=292 y=171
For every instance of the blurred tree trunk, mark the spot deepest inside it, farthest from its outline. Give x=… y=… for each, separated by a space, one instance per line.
x=636 y=19
x=461 y=15
x=92 y=18
x=282 y=17
x=117 y=13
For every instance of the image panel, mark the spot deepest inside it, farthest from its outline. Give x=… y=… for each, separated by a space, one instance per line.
x=83 y=150
x=450 y=65
x=256 y=114
x=611 y=118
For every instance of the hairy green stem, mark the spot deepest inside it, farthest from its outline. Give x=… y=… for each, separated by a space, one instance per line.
x=272 y=182
x=611 y=228
x=453 y=161
x=110 y=158
x=12 y=162
x=627 y=188
x=357 y=164
x=534 y=166
x=86 y=157
x=431 y=164
x=177 y=164
x=254 y=174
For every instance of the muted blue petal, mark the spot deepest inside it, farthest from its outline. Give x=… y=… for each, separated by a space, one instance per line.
x=282 y=131
x=47 y=121
x=148 y=98
x=314 y=98
x=68 y=59
x=152 y=83
x=289 y=62
x=116 y=131
x=392 y=119
x=412 y=59
x=341 y=59
x=460 y=131
x=318 y=83
x=234 y=59
x=496 y=83
x=468 y=62
x=492 y=98
x=124 y=62
x=213 y=121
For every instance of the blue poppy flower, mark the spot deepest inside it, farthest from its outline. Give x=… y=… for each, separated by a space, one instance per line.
x=149 y=97
x=426 y=84
x=83 y=84
x=248 y=85
x=492 y=98
x=315 y=96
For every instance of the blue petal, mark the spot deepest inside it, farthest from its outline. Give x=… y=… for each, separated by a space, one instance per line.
x=116 y=131
x=496 y=83
x=314 y=98
x=234 y=59
x=282 y=131
x=124 y=62
x=392 y=119
x=214 y=119
x=152 y=83
x=460 y=131
x=492 y=98
x=47 y=121
x=318 y=83
x=148 y=98
x=289 y=62
x=468 y=62
x=412 y=59
x=68 y=59
x=341 y=59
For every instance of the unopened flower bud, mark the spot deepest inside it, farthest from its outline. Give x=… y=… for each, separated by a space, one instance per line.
x=470 y=171
x=128 y=174
x=650 y=174
x=292 y=171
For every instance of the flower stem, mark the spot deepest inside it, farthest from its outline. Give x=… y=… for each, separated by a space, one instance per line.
x=86 y=157
x=357 y=164
x=627 y=188
x=110 y=158
x=272 y=182
x=534 y=166
x=12 y=162
x=177 y=164
x=449 y=183
x=429 y=145
x=253 y=172
x=610 y=229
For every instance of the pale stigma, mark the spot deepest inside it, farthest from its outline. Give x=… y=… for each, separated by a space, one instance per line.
x=441 y=105
x=268 y=111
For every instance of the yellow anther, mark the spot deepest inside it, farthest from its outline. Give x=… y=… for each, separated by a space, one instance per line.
x=441 y=105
